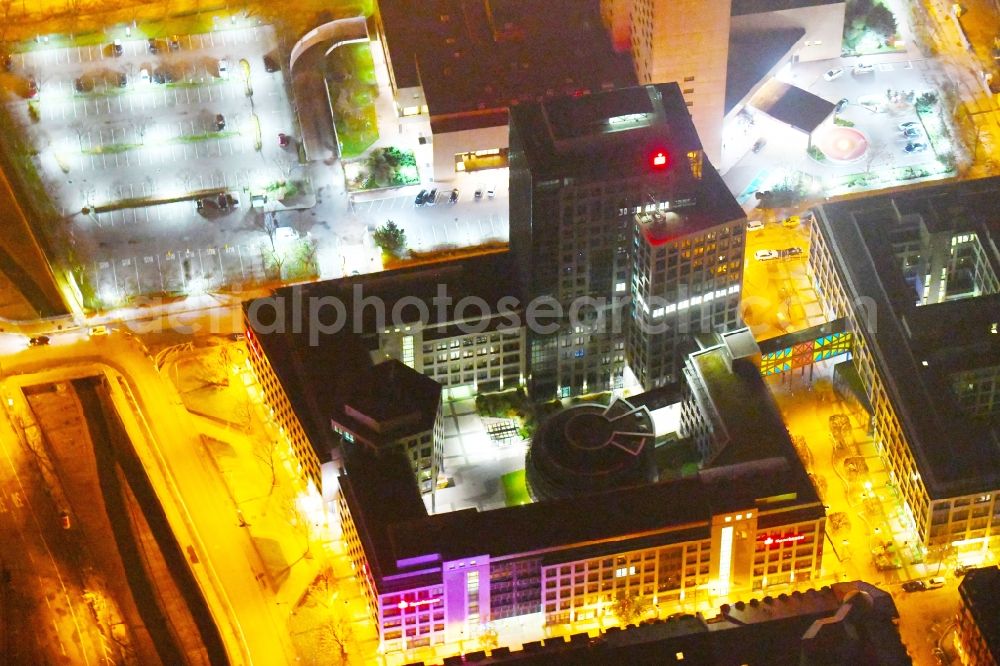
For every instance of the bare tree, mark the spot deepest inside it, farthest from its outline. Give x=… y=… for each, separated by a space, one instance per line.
x=330 y=630
x=266 y=450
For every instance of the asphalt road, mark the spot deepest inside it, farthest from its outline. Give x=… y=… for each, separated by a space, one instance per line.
x=46 y=619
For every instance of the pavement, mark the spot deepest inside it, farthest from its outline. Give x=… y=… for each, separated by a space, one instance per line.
x=172 y=454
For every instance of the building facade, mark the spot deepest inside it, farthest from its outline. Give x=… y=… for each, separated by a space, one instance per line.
x=281 y=410
x=682 y=41
x=914 y=276
x=616 y=217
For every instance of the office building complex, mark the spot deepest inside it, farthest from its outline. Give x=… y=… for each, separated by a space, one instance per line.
x=457 y=65
x=748 y=525
x=720 y=52
x=619 y=219
x=457 y=323
x=977 y=624
x=915 y=275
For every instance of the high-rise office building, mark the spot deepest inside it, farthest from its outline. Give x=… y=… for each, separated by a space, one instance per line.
x=619 y=219
x=720 y=51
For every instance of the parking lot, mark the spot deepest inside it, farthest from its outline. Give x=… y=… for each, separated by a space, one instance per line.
x=867 y=109
x=167 y=124
x=468 y=221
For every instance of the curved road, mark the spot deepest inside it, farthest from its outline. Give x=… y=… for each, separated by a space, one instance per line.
x=173 y=456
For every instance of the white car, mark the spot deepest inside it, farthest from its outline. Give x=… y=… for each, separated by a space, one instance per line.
x=223 y=69
x=98 y=330
x=834 y=73
x=861 y=68
x=754 y=225
x=765 y=255
x=934 y=582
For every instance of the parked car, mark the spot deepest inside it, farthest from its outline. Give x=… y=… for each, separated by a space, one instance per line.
x=152 y=46
x=791 y=222
x=963 y=569
x=64 y=520
x=913 y=132
x=479 y=193
x=32 y=86
x=122 y=79
x=270 y=65
x=227 y=201
x=914 y=586
x=915 y=147
x=834 y=73
x=174 y=43
x=7 y=62
x=862 y=68
x=431 y=198
x=934 y=582
x=116 y=48
x=421 y=197
x=283 y=139
x=199 y=205
x=907 y=125
x=492 y=192
x=765 y=255
x=758 y=145
x=791 y=251
x=38 y=341
x=98 y=330
x=454 y=196
x=223 y=69
x=841 y=105
x=79 y=84
x=220 y=122
x=144 y=75
x=755 y=225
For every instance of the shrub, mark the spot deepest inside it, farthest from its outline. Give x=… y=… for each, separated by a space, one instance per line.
x=390 y=238
x=926 y=101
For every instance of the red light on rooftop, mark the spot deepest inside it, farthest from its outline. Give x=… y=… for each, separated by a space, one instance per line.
x=658 y=160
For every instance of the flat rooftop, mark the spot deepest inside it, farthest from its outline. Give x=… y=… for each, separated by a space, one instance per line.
x=752 y=55
x=623 y=128
x=624 y=132
x=918 y=348
x=792 y=105
x=474 y=58
x=846 y=623
x=763 y=472
x=980 y=591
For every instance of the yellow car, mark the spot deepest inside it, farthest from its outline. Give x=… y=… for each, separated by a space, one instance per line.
x=791 y=222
